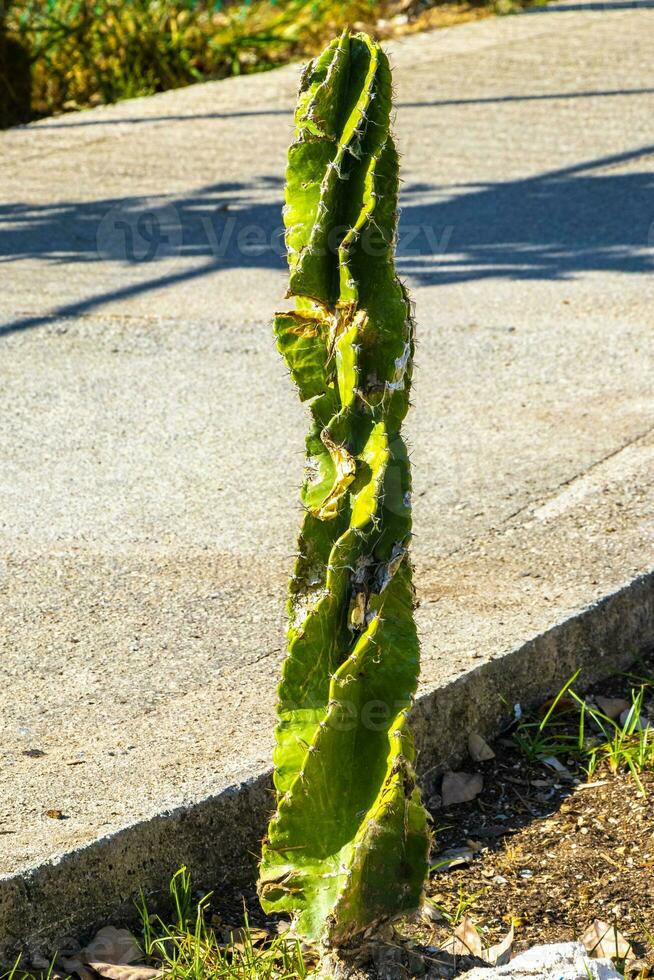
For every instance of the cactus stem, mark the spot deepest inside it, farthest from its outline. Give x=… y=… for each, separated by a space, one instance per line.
x=349 y=346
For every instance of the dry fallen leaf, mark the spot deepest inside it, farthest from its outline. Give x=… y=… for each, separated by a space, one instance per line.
x=113 y=954
x=117 y=947
x=239 y=936
x=75 y=965
x=124 y=971
x=454 y=857
x=500 y=954
x=430 y=913
x=479 y=749
x=557 y=705
x=553 y=763
x=236 y=937
x=606 y=942
x=461 y=787
x=465 y=940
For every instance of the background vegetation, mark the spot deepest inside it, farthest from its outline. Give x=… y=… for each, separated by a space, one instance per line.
x=85 y=52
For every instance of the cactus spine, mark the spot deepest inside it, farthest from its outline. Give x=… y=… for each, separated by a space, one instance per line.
x=347 y=847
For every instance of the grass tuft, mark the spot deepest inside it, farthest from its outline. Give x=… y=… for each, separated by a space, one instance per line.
x=575 y=728
x=549 y=736
x=454 y=910
x=189 y=947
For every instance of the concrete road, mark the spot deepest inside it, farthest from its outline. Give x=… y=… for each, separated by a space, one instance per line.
x=151 y=445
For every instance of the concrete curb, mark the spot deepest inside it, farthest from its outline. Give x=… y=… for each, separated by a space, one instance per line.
x=218 y=837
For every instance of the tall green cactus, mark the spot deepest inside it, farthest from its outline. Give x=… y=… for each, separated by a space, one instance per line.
x=347 y=847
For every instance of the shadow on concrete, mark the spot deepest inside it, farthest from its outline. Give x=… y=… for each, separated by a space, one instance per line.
x=538 y=97
x=215 y=222
x=556 y=225
x=74 y=121
x=217 y=228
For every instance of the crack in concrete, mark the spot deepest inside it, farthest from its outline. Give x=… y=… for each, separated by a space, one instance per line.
x=533 y=503
x=537 y=501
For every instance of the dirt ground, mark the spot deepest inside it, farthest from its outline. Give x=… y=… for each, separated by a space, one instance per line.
x=547 y=851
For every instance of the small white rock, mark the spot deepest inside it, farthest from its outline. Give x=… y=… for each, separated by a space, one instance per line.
x=612 y=707
x=627 y=719
x=559 y=961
